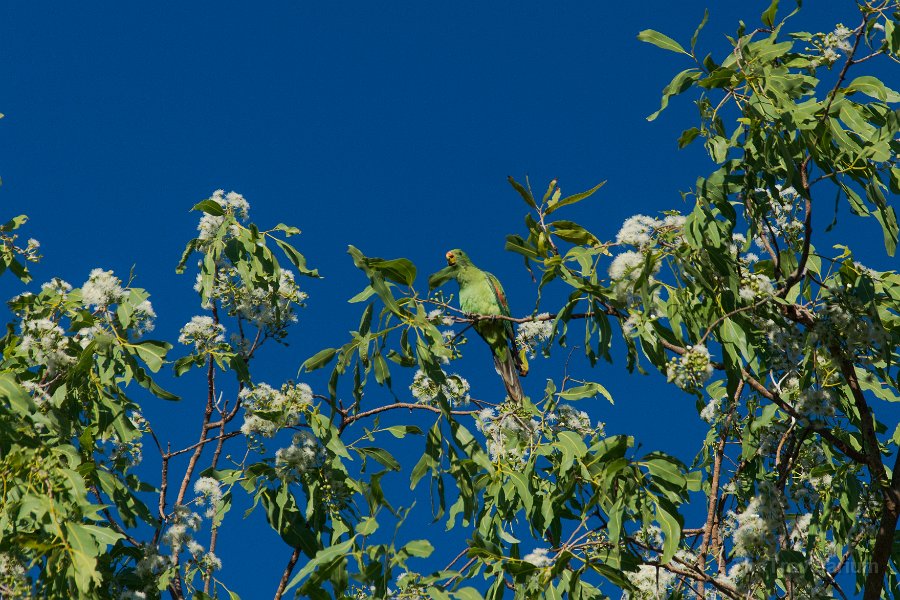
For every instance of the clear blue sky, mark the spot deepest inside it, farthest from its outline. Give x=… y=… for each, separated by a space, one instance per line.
x=391 y=126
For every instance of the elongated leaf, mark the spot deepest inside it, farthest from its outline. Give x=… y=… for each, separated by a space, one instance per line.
x=661 y=41
x=587 y=390
x=319 y=359
x=670 y=522
x=322 y=558
x=526 y=195
x=873 y=87
x=575 y=198
x=679 y=83
x=210 y=207
x=768 y=16
x=420 y=548
x=297 y=259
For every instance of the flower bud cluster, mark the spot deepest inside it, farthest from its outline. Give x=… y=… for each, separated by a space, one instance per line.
x=690 y=370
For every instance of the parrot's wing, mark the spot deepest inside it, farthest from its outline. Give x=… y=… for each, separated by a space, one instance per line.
x=500 y=297
x=438 y=279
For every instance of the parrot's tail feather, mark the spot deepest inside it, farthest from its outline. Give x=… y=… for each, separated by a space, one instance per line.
x=508 y=372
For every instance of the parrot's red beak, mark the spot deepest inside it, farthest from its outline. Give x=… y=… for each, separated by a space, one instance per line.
x=451 y=259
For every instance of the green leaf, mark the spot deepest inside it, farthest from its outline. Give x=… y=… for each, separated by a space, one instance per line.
x=287 y=229
x=468 y=593
x=874 y=88
x=380 y=455
x=670 y=522
x=152 y=353
x=297 y=259
x=688 y=136
x=679 y=84
x=873 y=384
x=666 y=468
x=587 y=390
x=366 y=526
x=575 y=198
x=401 y=431
x=399 y=270
x=526 y=195
x=14 y=223
x=210 y=207
x=699 y=29
x=322 y=558
x=420 y=548
x=661 y=41
x=768 y=16
x=574 y=233
x=439 y=278
x=517 y=244
x=319 y=359
x=19 y=399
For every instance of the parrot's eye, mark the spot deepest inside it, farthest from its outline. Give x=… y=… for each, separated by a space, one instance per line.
x=451 y=259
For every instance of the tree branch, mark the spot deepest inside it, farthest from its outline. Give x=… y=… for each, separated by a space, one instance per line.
x=286 y=575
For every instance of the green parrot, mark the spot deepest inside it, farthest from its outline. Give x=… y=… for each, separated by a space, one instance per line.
x=481 y=294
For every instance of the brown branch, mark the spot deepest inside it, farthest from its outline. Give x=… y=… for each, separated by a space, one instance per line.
x=884 y=539
x=219 y=438
x=207 y=415
x=214 y=529
x=349 y=419
x=711 y=512
x=286 y=575
x=817 y=427
x=112 y=522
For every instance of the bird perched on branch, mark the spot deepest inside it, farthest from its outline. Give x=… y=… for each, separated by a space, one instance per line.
x=480 y=294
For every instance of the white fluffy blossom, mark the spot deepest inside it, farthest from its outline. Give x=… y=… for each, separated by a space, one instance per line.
x=209 y=493
x=179 y=532
x=56 y=286
x=651 y=583
x=203 y=332
x=101 y=289
x=538 y=557
x=626 y=268
x=815 y=403
x=45 y=343
x=569 y=418
x=426 y=390
x=627 y=264
x=303 y=454
x=266 y=410
x=256 y=425
x=38 y=393
x=755 y=530
x=267 y=303
x=142 y=318
x=509 y=435
x=210 y=562
x=13 y=577
x=637 y=230
x=531 y=334
x=232 y=203
x=710 y=411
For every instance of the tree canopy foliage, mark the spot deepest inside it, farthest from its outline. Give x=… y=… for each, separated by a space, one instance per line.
x=791 y=351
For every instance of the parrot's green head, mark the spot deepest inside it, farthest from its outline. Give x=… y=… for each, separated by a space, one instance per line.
x=457 y=258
